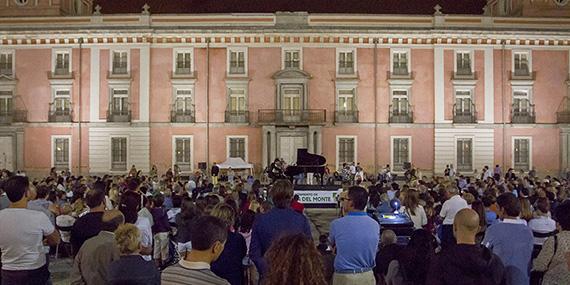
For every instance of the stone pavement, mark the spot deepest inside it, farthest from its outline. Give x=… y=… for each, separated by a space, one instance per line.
x=320 y=220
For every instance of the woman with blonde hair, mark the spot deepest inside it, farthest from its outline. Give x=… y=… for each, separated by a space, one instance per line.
x=131 y=268
x=412 y=208
x=229 y=265
x=294 y=259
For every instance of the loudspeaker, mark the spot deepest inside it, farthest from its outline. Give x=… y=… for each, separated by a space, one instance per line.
x=202 y=165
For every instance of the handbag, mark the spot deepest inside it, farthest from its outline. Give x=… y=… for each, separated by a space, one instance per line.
x=536 y=277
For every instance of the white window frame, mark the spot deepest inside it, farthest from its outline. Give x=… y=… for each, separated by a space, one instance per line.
x=111 y=154
x=245 y=95
x=400 y=50
x=191 y=137
x=392 y=138
x=54 y=54
x=245 y=58
x=529 y=151
x=354 y=57
x=527 y=90
x=111 y=55
x=457 y=138
x=290 y=49
x=13 y=53
x=529 y=55
x=338 y=148
x=11 y=90
x=175 y=52
x=237 y=137
x=407 y=89
x=57 y=89
x=53 y=139
x=338 y=96
x=471 y=96
x=471 y=58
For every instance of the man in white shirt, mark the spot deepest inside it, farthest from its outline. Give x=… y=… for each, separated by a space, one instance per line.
x=449 y=209
x=23 y=256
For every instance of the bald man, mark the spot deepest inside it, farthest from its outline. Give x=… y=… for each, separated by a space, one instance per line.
x=95 y=255
x=466 y=262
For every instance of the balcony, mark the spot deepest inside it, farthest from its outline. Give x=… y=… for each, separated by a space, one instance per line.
x=401 y=115
x=59 y=115
x=464 y=74
x=346 y=116
x=523 y=114
x=563 y=112
x=522 y=74
x=182 y=73
x=464 y=114
x=13 y=116
x=400 y=73
x=182 y=116
x=237 y=117
x=60 y=73
x=119 y=115
x=292 y=117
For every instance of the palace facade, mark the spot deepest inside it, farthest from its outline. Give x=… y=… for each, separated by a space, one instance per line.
x=97 y=92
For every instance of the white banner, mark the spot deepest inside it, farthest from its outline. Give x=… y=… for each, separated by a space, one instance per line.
x=318 y=197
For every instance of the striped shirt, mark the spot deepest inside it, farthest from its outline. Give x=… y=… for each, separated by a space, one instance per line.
x=191 y=273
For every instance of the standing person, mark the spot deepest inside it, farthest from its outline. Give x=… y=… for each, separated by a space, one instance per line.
x=22 y=232
x=131 y=268
x=466 y=262
x=355 y=238
x=276 y=222
x=412 y=208
x=214 y=172
x=229 y=265
x=294 y=259
x=231 y=175
x=453 y=204
x=411 y=266
x=160 y=231
x=91 y=263
x=511 y=240
x=207 y=244
x=89 y=225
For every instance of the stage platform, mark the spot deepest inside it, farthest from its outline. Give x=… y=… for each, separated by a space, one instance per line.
x=318 y=196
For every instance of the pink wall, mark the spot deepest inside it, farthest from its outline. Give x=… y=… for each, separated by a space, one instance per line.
x=263 y=63
x=545 y=152
x=104 y=84
x=320 y=63
x=218 y=67
x=550 y=85
x=423 y=86
x=384 y=96
x=85 y=76
x=33 y=65
x=160 y=87
x=365 y=90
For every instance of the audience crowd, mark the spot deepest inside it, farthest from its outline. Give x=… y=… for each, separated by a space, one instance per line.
x=492 y=228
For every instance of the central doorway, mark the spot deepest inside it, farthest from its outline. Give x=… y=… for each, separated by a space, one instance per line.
x=288 y=146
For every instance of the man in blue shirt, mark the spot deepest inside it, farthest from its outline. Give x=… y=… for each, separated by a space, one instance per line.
x=280 y=221
x=511 y=240
x=355 y=238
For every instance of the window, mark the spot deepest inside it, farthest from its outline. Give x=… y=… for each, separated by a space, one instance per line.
x=237 y=61
x=120 y=62
x=61 y=63
x=521 y=63
x=346 y=150
x=465 y=154
x=400 y=152
x=5 y=103
x=463 y=103
x=521 y=101
x=463 y=63
x=119 y=154
x=60 y=152
x=346 y=62
x=183 y=62
x=400 y=64
x=6 y=64
x=400 y=102
x=292 y=59
x=521 y=153
x=237 y=147
x=346 y=100
x=183 y=102
x=120 y=101
x=61 y=102
x=183 y=153
x=237 y=100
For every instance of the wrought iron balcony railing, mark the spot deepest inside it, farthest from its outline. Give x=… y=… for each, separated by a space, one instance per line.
x=350 y=116
x=464 y=114
x=399 y=115
x=523 y=113
x=119 y=115
x=292 y=117
x=59 y=115
x=237 y=117
x=13 y=116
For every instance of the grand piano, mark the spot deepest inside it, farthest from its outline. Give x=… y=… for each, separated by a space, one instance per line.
x=307 y=163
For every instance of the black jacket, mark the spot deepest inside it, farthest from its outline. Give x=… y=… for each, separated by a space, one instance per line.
x=468 y=265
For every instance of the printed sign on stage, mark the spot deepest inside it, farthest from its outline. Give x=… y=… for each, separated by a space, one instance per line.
x=318 y=197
